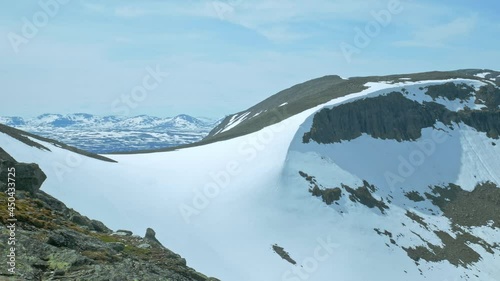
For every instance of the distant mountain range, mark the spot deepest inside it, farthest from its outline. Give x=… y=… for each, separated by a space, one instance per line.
x=108 y=134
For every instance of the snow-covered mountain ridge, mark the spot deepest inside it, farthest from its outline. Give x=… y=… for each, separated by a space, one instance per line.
x=347 y=189
x=318 y=91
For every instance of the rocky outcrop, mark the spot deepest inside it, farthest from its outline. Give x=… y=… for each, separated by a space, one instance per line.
x=479 y=207
x=151 y=236
x=468 y=208
x=387 y=117
x=328 y=195
x=280 y=251
x=393 y=116
x=54 y=242
x=29 y=177
x=450 y=91
x=489 y=96
x=363 y=195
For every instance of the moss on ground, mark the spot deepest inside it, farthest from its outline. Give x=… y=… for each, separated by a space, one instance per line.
x=57 y=263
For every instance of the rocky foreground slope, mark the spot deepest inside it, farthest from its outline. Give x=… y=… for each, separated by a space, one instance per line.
x=54 y=242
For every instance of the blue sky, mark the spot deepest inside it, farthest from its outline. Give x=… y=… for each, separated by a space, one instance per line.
x=222 y=56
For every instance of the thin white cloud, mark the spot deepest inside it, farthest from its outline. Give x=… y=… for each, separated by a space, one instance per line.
x=188 y=8
x=122 y=40
x=273 y=20
x=441 y=35
x=131 y=12
x=277 y=20
x=283 y=34
x=93 y=7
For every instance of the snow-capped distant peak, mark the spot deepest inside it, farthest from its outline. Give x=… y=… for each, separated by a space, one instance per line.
x=103 y=134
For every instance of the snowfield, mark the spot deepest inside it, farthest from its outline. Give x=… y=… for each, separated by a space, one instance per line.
x=222 y=206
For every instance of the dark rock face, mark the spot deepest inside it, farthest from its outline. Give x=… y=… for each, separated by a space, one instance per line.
x=363 y=195
x=393 y=116
x=99 y=226
x=29 y=177
x=151 y=236
x=489 y=96
x=487 y=121
x=454 y=250
x=329 y=195
x=450 y=91
x=283 y=254
x=414 y=196
x=55 y=242
x=387 y=117
x=465 y=208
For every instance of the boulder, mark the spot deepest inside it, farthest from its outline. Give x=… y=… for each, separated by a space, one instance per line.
x=28 y=177
x=122 y=232
x=151 y=236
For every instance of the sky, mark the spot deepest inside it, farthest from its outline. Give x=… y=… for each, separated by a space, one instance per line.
x=215 y=58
